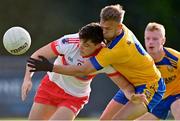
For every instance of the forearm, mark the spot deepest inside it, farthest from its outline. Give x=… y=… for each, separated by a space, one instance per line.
x=124 y=85
x=28 y=75
x=74 y=70
x=43 y=64
x=129 y=91
x=70 y=70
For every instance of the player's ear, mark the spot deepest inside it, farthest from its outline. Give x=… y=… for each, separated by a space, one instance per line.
x=120 y=26
x=98 y=45
x=164 y=40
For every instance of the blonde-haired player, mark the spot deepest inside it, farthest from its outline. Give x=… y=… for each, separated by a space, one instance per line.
x=168 y=62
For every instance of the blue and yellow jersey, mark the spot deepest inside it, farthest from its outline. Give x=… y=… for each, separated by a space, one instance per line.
x=169 y=67
x=126 y=55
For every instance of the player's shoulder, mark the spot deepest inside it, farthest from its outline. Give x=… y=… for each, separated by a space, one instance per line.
x=175 y=53
x=128 y=36
x=68 y=43
x=74 y=36
x=172 y=51
x=127 y=30
x=69 y=39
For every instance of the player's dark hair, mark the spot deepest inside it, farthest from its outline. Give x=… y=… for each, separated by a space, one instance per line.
x=92 y=32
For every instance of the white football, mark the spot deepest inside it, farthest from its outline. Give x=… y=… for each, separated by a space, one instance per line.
x=17 y=40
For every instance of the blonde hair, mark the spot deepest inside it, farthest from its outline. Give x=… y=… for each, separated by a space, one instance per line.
x=152 y=26
x=112 y=12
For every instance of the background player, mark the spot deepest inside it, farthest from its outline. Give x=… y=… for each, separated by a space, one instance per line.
x=61 y=97
x=168 y=62
x=126 y=55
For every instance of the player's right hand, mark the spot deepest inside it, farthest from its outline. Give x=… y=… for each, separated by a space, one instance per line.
x=25 y=89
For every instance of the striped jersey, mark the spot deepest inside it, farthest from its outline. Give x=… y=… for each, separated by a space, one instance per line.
x=169 y=67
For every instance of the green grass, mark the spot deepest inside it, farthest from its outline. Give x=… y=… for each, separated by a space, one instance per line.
x=25 y=119
x=77 y=119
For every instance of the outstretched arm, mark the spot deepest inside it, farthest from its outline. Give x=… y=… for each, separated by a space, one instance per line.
x=73 y=70
x=42 y=64
x=89 y=66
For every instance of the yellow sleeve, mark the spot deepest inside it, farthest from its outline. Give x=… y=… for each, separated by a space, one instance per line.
x=104 y=58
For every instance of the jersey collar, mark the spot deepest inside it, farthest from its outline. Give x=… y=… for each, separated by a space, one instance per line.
x=170 y=55
x=116 y=40
x=165 y=60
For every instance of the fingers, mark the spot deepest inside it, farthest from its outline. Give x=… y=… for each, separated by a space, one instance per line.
x=143 y=96
x=31 y=65
x=35 y=61
x=146 y=101
x=33 y=70
x=42 y=57
x=41 y=64
x=139 y=98
x=32 y=60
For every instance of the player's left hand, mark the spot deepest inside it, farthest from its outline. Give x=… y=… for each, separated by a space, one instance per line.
x=139 y=98
x=41 y=64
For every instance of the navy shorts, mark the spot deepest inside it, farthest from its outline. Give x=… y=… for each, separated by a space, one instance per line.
x=162 y=109
x=153 y=97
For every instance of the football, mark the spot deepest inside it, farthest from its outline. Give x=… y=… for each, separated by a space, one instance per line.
x=17 y=40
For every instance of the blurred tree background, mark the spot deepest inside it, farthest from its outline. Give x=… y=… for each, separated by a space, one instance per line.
x=47 y=20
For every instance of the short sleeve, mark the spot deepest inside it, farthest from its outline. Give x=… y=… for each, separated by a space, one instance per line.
x=102 y=59
x=62 y=46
